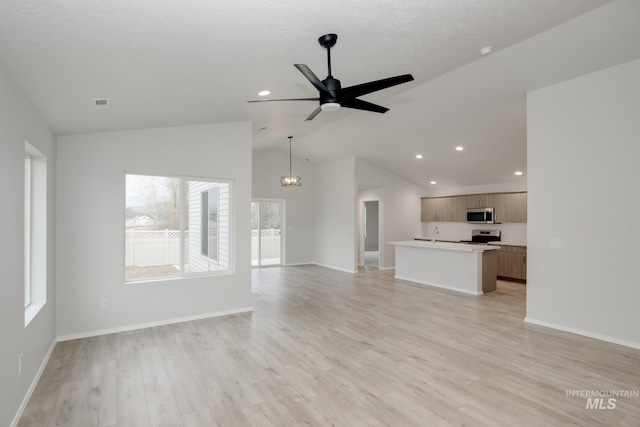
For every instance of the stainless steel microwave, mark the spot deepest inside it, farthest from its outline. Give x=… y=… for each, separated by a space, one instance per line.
x=480 y=216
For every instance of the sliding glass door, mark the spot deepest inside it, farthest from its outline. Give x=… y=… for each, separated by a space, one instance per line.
x=267 y=217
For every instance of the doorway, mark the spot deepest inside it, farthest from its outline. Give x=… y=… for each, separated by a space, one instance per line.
x=267 y=240
x=371 y=226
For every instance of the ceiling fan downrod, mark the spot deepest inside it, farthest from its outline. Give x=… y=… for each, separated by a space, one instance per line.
x=328 y=41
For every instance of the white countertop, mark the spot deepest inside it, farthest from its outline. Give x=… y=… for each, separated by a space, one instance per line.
x=509 y=243
x=439 y=239
x=445 y=246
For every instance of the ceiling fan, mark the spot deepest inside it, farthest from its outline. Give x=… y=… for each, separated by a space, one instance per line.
x=332 y=95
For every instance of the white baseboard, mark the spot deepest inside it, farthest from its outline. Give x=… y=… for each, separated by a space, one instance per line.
x=334 y=268
x=297 y=264
x=387 y=268
x=582 y=332
x=33 y=385
x=151 y=324
x=436 y=285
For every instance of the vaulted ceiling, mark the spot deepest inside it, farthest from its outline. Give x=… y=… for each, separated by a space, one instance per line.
x=165 y=63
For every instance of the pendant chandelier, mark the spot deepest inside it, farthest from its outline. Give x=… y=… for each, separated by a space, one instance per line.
x=291 y=180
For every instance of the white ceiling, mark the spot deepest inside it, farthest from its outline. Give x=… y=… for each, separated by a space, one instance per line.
x=165 y=63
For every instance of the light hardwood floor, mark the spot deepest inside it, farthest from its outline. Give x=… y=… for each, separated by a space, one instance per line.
x=326 y=348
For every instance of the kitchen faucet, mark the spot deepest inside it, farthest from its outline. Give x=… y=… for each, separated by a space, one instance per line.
x=435 y=231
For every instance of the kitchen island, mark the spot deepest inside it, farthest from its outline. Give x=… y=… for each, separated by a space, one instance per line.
x=467 y=268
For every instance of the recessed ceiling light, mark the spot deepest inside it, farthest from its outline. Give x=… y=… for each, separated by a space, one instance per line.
x=264 y=93
x=486 y=50
x=418 y=156
x=518 y=173
x=459 y=148
x=433 y=182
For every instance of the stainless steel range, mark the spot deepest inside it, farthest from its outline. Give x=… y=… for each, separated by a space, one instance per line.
x=483 y=237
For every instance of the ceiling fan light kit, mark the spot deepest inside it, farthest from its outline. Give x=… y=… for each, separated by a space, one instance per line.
x=332 y=96
x=330 y=107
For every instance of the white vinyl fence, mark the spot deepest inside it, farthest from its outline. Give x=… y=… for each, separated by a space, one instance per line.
x=147 y=248
x=270 y=247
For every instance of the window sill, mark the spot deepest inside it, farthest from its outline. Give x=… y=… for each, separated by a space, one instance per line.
x=177 y=278
x=31 y=311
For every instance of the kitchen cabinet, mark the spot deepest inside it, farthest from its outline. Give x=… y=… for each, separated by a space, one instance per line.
x=443 y=209
x=512 y=263
x=480 y=200
x=434 y=209
x=511 y=207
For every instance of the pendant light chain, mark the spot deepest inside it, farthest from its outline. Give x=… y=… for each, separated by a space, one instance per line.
x=290 y=174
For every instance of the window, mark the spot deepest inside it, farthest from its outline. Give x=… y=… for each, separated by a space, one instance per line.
x=35 y=232
x=209 y=224
x=177 y=227
x=27 y=230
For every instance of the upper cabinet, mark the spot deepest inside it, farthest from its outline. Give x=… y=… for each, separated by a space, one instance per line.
x=509 y=207
x=480 y=200
x=443 y=209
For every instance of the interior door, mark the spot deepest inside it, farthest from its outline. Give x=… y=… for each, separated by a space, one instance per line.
x=370 y=226
x=267 y=218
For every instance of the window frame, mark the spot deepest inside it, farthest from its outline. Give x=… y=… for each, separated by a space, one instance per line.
x=35 y=232
x=28 y=194
x=184 y=207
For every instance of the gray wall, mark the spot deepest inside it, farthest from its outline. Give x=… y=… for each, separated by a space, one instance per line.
x=91 y=191
x=334 y=237
x=583 y=170
x=268 y=167
x=19 y=121
x=399 y=207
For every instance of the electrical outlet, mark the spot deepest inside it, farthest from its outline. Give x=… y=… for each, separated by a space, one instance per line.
x=20 y=363
x=554 y=243
x=104 y=304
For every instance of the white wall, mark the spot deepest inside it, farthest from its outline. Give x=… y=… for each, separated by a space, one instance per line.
x=90 y=223
x=20 y=122
x=335 y=218
x=512 y=232
x=583 y=151
x=399 y=207
x=268 y=167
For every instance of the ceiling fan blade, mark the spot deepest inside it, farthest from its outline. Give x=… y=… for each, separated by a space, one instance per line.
x=312 y=115
x=287 y=99
x=306 y=71
x=359 y=104
x=365 y=88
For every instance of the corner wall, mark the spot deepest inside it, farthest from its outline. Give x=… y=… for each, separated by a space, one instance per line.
x=583 y=171
x=90 y=224
x=399 y=207
x=20 y=122
x=334 y=244
x=268 y=167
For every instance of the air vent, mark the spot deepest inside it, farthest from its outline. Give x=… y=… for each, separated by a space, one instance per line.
x=101 y=103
